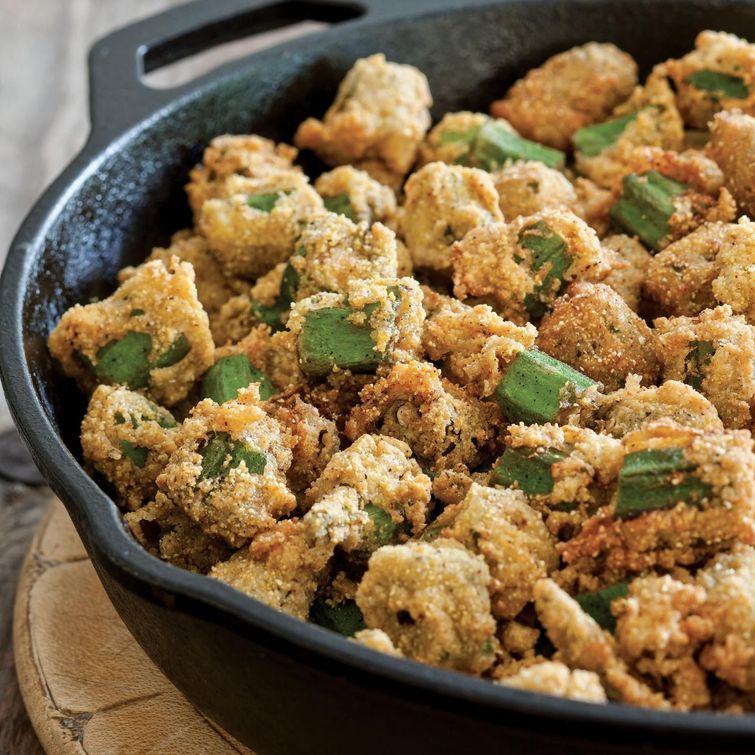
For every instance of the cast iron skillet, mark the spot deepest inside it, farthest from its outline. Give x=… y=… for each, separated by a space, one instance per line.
x=280 y=685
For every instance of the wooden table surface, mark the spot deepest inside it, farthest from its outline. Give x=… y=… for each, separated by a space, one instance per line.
x=43 y=123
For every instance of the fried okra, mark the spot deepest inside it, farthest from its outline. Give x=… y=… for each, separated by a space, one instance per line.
x=524 y=265
x=682 y=494
x=151 y=335
x=715 y=354
x=351 y=192
x=570 y=90
x=444 y=202
x=379 y=114
x=732 y=146
x=509 y=534
x=228 y=472
x=556 y=679
x=257 y=223
x=627 y=275
x=527 y=188
x=592 y=329
x=719 y=74
x=432 y=600
x=127 y=439
x=440 y=422
x=246 y=155
x=625 y=410
x=375 y=322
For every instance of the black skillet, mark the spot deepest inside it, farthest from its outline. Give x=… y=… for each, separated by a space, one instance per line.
x=280 y=685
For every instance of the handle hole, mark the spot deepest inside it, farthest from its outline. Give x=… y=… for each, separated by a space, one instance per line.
x=180 y=59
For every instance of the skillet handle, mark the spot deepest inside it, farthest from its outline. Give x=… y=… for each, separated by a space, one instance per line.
x=117 y=96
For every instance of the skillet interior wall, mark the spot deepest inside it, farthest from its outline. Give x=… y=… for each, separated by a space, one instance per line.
x=134 y=198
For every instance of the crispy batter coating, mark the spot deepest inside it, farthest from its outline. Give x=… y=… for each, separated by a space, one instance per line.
x=474 y=344
x=246 y=155
x=159 y=304
x=502 y=262
x=127 y=439
x=332 y=251
x=627 y=275
x=526 y=188
x=444 y=202
x=165 y=531
x=623 y=411
x=440 y=422
x=380 y=114
x=732 y=146
x=432 y=600
x=554 y=678
x=570 y=90
x=715 y=353
x=370 y=200
x=735 y=261
x=500 y=526
x=690 y=167
x=377 y=639
x=719 y=53
x=592 y=329
x=594 y=204
x=337 y=395
x=208 y=475
x=248 y=240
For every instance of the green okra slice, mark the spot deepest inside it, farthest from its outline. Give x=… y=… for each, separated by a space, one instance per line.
x=657 y=478
x=272 y=314
x=493 y=146
x=698 y=358
x=265 y=201
x=547 y=248
x=344 y=618
x=137 y=455
x=228 y=375
x=220 y=454
x=384 y=528
x=646 y=206
x=598 y=604
x=126 y=361
x=719 y=84
x=592 y=140
x=177 y=351
x=536 y=387
x=528 y=469
x=341 y=205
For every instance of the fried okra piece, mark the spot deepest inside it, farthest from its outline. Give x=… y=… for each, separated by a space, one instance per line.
x=592 y=329
x=337 y=394
x=730 y=608
x=735 y=261
x=556 y=679
x=715 y=354
x=524 y=265
x=377 y=639
x=257 y=222
x=166 y=532
x=432 y=600
x=682 y=494
x=627 y=275
x=593 y=204
x=732 y=146
x=444 y=202
x=719 y=74
x=527 y=188
x=228 y=155
x=510 y=535
x=351 y=192
x=474 y=345
x=582 y=644
x=379 y=115
x=561 y=468
x=282 y=567
x=128 y=440
x=478 y=141
x=440 y=422
x=151 y=335
x=649 y=117
x=623 y=411
x=228 y=472
x=375 y=322
x=316 y=439
x=570 y=90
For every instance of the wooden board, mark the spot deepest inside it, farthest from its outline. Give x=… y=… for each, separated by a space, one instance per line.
x=88 y=686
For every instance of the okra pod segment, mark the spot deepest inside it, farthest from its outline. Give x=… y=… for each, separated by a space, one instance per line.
x=719 y=84
x=592 y=140
x=272 y=314
x=547 y=248
x=264 y=202
x=698 y=358
x=527 y=469
x=657 y=478
x=229 y=374
x=220 y=454
x=341 y=205
x=344 y=618
x=646 y=206
x=137 y=455
x=494 y=146
x=598 y=604
x=536 y=387
x=126 y=361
